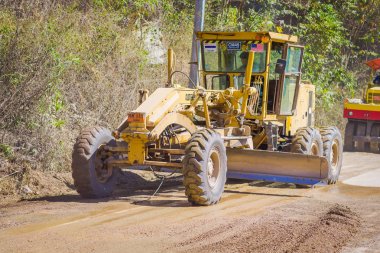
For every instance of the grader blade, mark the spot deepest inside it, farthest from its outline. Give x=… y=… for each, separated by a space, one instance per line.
x=276 y=166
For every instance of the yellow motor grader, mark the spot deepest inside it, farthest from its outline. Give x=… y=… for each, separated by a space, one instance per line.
x=250 y=117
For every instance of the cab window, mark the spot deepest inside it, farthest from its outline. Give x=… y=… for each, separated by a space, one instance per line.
x=232 y=56
x=291 y=79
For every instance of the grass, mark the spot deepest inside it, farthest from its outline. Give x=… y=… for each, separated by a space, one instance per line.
x=65 y=67
x=6 y=150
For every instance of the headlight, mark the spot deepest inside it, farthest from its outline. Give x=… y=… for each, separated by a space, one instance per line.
x=136 y=117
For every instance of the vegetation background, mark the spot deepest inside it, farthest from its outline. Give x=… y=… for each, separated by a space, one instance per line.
x=68 y=64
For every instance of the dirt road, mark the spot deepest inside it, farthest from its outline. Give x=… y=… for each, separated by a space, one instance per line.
x=252 y=217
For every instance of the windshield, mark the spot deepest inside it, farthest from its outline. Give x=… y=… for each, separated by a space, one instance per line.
x=232 y=56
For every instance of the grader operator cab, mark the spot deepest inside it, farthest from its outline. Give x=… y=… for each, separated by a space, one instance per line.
x=250 y=117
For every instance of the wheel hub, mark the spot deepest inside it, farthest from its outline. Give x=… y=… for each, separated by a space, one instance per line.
x=102 y=172
x=314 y=149
x=213 y=167
x=334 y=156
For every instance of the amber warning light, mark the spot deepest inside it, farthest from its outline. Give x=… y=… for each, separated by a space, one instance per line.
x=136 y=117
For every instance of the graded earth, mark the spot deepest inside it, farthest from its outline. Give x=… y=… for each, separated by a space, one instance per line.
x=251 y=217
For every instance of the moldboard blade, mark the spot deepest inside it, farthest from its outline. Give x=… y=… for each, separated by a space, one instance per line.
x=276 y=166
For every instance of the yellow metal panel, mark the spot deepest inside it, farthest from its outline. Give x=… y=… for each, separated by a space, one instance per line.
x=154 y=100
x=136 y=151
x=270 y=117
x=247 y=81
x=169 y=119
x=373 y=95
x=288 y=125
x=363 y=107
x=266 y=83
x=170 y=65
x=374 y=90
x=206 y=114
x=160 y=112
x=136 y=145
x=230 y=35
x=156 y=105
x=302 y=112
x=279 y=37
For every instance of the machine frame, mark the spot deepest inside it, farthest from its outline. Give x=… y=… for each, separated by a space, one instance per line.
x=214 y=134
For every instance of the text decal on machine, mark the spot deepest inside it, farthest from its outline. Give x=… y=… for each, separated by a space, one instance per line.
x=233 y=45
x=210 y=47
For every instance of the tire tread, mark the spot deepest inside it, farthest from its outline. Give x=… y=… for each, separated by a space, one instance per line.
x=192 y=167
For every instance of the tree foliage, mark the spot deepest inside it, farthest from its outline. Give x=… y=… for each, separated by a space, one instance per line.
x=65 y=64
x=338 y=36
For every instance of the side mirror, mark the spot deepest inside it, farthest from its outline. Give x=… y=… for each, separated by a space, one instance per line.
x=280 y=66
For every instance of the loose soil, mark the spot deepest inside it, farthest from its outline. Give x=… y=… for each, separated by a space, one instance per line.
x=252 y=217
x=327 y=229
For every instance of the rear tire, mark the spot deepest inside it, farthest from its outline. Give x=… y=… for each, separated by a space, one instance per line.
x=349 y=136
x=361 y=132
x=333 y=151
x=88 y=167
x=205 y=168
x=375 y=132
x=308 y=141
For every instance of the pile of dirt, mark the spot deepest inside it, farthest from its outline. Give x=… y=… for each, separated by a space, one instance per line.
x=309 y=227
x=29 y=183
x=334 y=229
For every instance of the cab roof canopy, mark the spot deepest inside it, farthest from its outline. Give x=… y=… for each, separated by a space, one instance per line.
x=374 y=64
x=277 y=37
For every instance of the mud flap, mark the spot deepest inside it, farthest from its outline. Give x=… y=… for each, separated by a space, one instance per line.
x=276 y=166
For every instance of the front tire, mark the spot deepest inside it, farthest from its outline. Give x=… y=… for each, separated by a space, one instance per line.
x=205 y=168
x=308 y=141
x=333 y=151
x=88 y=164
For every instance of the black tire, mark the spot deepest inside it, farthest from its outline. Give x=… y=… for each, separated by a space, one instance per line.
x=361 y=132
x=205 y=168
x=349 y=133
x=333 y=151
x=375 y=132
x=307 y=140
x=86 y=164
